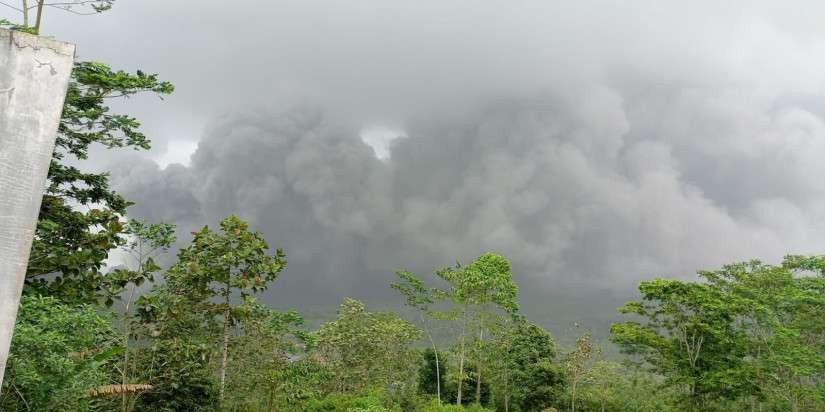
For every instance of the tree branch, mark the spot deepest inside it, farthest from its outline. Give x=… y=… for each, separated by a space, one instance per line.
x=11 y=7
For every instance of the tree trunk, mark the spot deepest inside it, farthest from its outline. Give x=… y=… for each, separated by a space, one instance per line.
x=693 y=401
x=478 y=367
x=127 y=330
x=225 y=345
x=460 y=372
x=125 y=379
x=25 y=13
x=125 y=370
x=478 y=382
x=435 y=352
x=573 y=397
x=437 y=376
x=39 y=15
x=507 y=394
x=461 y=358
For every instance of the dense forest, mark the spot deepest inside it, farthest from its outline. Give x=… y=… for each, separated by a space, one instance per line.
x=192 y=335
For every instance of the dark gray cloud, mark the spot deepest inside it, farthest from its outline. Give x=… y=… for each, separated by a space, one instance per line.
x=561 y=185
x=596 y=143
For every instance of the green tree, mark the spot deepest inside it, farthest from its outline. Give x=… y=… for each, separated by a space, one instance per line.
x=526 y=374
x=304 y=380
x=579 y=365
x=261 y=353
x=367 y=349
x=70 y=245
x=627 y=387
x=178 y=334
x=689 y=336
x=374 y=400
x=782 y=320
x=431 y=375
x=808 y=328
x=220 y=265
x=422 y=298
x=58 y=353
x=748 y=333
x=477 y=290
x=603 y=386
x=145 y=242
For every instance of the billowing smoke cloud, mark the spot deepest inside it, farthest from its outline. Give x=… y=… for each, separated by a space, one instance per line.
x=568 y=188
x=594 y=145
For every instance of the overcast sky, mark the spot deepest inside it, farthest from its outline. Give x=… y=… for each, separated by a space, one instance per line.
x=595 y=143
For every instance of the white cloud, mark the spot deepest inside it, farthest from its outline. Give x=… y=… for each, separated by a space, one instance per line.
x=177 y=151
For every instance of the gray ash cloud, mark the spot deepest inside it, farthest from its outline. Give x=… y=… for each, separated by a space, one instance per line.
x=594 y=143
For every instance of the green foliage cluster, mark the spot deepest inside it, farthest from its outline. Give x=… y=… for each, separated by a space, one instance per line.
x=59 y=352
x=70 y=244
x=748 y=333
x=502 y=359
x=367 y=348
x=371 y=401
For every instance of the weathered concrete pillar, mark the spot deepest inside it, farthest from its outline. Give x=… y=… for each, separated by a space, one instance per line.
x=34 y=74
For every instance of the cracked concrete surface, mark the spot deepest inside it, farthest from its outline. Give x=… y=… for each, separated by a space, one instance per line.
x=22 y=40
x=34 y=74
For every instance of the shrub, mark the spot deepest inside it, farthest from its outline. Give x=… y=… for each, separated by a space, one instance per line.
x=58 y=352
x=371 y=401
x=434 y=406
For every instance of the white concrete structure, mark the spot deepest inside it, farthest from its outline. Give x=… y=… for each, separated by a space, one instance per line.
x=34 y=74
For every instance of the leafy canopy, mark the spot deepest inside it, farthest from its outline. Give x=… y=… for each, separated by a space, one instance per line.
x=70 y=244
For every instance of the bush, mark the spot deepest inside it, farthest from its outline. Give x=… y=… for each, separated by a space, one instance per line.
x=58 y=352
x=435 y=406
x=371 y=401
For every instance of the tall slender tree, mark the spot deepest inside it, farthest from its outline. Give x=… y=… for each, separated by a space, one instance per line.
x=146 y=242
x=579 y=365
x=422 y=298
x=218 y=266
x=477 y=289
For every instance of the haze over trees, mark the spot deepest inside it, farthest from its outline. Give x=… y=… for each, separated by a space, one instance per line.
x=193 y=335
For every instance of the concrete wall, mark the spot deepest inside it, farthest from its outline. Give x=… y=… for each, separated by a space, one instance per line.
x=34 y=74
